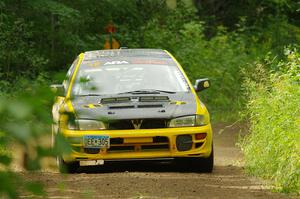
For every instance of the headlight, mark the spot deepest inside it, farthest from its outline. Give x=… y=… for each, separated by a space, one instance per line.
x=85 y=125
x=193 y=120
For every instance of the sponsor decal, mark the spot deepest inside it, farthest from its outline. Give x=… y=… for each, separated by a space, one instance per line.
x=116 y=62
x=94 y=64
x=178 y=102
x=156 y=62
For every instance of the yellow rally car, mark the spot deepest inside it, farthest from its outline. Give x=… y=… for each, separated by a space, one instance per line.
x=131 y=104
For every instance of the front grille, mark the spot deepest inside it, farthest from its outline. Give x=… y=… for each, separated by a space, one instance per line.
x=145 y=124
x=154 y=124
x=120 y=125
x=159 y=143
x=155 y=147
x=116 y=141
x=160 y=139
x=121 y=148
x=117 y=145
x=91 y=150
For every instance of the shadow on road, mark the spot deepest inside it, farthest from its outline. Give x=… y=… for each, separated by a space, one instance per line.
x=140 y=166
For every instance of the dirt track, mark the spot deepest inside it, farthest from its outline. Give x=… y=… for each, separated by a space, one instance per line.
x=162 y=180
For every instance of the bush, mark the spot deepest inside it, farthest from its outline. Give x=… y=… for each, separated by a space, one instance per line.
x=44 y=36
x=25 y=121
x=219 y=58
x=272 y=149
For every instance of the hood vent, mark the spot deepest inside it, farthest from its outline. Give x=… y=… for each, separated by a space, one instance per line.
x=138 y=106
x=150 y=106
x=121 y=107
x=154 y=99
x=115 y=100
x=140 y=99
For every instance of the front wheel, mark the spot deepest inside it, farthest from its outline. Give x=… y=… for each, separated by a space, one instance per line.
x=207 y=164
x=65 y=167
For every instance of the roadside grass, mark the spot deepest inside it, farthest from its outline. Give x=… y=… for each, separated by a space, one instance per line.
x=272 y=149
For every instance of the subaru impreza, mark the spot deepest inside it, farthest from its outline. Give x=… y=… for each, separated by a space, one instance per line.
x=131 y=104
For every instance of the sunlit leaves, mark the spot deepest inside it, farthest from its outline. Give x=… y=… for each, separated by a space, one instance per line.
x=25 y=123
x=272 y=150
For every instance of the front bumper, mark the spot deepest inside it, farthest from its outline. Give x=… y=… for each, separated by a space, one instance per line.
x=164 y=147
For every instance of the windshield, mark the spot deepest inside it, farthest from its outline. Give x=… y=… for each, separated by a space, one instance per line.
x=115 y=79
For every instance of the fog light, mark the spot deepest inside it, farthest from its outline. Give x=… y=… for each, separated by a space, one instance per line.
x=200 y=136
x=184 y=142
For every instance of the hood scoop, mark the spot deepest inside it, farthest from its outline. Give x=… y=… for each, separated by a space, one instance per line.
x=115 y=100
x=154 y=99
x=150 y=106
x=134 y=99
x=136 y=106
x=121 y=107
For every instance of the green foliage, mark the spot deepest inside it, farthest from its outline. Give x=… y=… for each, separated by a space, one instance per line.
x=16 y=52
x=258 y=12
x=25 y=121
x=219 y=58
x=8 y=183
x=215 y=39
x=38 y=36
x=272 y=150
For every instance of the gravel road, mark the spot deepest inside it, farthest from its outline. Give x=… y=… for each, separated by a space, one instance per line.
x=161 y=180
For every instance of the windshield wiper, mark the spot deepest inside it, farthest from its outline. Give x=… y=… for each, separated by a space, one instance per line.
x=147 y=91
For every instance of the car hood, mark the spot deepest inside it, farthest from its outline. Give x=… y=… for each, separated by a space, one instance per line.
x=133 y=106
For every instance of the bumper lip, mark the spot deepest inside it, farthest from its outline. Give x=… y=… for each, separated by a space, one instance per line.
x=130 y=132
x=171 y=133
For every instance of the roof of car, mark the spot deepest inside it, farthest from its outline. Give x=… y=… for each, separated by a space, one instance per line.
x=100 y=54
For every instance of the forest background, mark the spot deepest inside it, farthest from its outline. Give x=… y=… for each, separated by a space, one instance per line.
x=248 y=48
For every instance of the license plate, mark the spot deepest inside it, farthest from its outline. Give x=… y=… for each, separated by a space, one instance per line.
x=96 y=141
x=91 y=162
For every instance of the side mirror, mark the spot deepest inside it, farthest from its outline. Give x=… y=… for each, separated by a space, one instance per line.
x=201 y=84
x=58 y=89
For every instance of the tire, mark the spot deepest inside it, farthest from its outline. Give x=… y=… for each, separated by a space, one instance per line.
x=204 y=165
x=64 y=167
x=207 y=164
